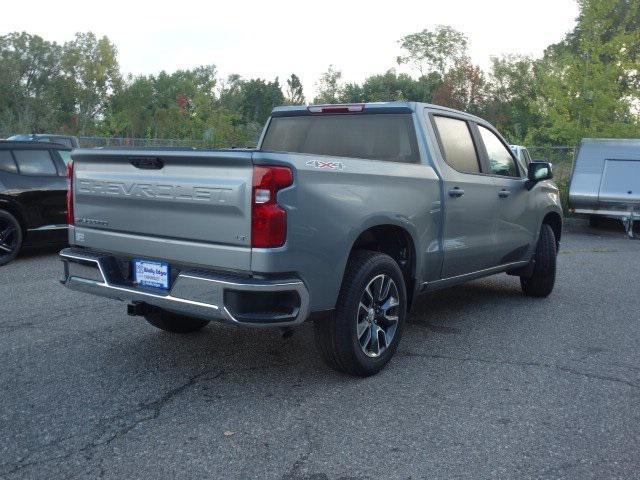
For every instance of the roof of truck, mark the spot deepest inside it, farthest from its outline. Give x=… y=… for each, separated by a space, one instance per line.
x=372 y=107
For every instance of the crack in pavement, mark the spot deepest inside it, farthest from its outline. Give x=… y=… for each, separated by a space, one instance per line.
x=146 y=411
x=498 y=361
x=294 y=471
x=149 y=410
x=14 y=327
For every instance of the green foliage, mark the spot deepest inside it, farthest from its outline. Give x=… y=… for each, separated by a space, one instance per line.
x=463 y=88
x=511 y=96
x=30 y=80
x=586 y=85
x=90 y=68
x=438 y=50
x=295 y=95
x=329 y=90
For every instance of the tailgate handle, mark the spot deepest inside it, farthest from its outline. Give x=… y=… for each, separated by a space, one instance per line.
x=147 y=163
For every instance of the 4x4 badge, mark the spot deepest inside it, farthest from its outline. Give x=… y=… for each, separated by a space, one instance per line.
x=325 y=165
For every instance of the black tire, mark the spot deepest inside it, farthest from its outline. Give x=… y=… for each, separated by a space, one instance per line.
x=337 y=337
x=541 y=282
x=11 y=237
x=173 y=322
x=595 y=221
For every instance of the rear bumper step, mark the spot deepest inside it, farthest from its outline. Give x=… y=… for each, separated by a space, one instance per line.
x=210 y=296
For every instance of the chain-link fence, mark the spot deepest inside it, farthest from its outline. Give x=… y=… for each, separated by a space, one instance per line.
x=93 y=142
x=562 y=159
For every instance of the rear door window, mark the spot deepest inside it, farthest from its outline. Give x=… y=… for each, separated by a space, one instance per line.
x=6 y=162
x=457 y=144
x=389 y=137
x=35 y=162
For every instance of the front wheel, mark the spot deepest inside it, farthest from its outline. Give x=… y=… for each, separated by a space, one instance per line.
x=174 y=323
x=364 y=332
x=541 y=282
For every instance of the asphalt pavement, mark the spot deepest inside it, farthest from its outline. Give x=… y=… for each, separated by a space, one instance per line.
x=487 y=383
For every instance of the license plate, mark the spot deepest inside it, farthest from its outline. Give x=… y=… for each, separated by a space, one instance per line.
x=151 y=274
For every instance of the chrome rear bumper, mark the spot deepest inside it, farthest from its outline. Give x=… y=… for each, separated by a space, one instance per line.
x=194 y=293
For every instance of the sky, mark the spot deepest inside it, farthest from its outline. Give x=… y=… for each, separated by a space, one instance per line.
x=276 y=38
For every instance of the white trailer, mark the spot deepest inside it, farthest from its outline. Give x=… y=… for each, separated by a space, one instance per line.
x=606 y=180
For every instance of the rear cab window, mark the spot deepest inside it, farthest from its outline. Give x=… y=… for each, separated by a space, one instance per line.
x=374 y=136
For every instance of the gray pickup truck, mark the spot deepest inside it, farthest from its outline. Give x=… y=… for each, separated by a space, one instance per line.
x=342 y=215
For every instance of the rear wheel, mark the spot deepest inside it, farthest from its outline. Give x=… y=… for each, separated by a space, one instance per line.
x=364 y=332
x=10 y=237
x=173 y=322
x=595 y=221
x=541 y=282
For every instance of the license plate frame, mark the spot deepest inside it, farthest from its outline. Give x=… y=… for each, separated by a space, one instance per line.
x=151 y=273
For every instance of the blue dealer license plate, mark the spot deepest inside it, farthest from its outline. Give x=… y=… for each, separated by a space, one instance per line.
x=151 y=274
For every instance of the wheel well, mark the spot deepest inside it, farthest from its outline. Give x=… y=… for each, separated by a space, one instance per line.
x=555 y=222
x=395 y=242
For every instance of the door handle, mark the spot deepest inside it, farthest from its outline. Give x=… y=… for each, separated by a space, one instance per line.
x=504 y=193
x=456 y=192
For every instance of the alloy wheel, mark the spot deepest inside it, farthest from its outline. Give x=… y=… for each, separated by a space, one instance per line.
x=377 y=317
x=8 y=238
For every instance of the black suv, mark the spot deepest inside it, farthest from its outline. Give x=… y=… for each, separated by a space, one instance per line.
x=66 y=140
x=33 y=191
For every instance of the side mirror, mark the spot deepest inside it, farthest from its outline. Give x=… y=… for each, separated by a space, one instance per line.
x=537 y=172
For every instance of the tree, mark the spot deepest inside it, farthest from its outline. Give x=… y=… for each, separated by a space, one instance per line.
x=392 y=86
x=294 y=95
x=91 y=65
x=388 y=87
x=169 y=105
x=511 y=96
x=258 y=98
x=438 y=50
x=31 y=98
x=463 y=87
x=588 y=82
x=329 y=90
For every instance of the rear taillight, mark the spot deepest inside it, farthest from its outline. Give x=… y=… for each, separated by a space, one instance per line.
x=268 y=219
x=70 y=216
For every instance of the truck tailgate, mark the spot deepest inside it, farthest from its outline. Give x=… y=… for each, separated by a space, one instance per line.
x=183 y=206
